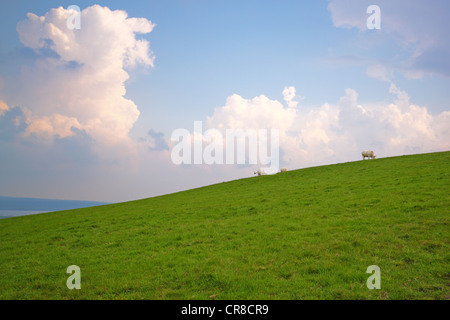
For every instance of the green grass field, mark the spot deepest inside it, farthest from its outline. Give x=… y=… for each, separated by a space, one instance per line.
x=304 y=234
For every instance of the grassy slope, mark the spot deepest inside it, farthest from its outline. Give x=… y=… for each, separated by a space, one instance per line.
x=304 y=234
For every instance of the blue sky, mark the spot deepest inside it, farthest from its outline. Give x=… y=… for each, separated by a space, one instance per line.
x=354 y=88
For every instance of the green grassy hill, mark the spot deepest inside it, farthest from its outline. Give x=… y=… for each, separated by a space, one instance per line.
x=304 y=234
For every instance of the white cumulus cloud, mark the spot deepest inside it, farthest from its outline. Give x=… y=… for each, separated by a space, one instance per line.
x=339 y=132
x=78 y=81
x=257 y=113
x=289 y=95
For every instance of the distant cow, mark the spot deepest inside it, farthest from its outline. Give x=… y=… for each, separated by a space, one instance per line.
x=283 y=170
x=260 y=172
x=369 y=154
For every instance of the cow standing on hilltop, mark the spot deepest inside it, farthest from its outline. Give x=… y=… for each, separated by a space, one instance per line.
x=260 y=172
x=369 y=154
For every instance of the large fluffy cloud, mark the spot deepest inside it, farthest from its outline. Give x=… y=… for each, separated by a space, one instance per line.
x=78 y=81
x=257 y=113
x=339 y=132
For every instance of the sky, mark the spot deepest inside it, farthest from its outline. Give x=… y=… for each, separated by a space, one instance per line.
x=88 y=111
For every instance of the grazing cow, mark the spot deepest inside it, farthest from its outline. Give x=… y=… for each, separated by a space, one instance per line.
x=369 y=154
x=283 y=170
x=260 y=172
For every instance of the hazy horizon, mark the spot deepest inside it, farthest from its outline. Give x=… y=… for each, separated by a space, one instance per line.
x=19 y=206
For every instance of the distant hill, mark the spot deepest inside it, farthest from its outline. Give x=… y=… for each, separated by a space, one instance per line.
x=304 y=234
x=35 y=204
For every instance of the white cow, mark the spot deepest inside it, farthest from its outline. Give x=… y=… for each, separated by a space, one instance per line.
x=283 y=170
x=260 y=172
x=369 y=154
